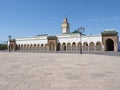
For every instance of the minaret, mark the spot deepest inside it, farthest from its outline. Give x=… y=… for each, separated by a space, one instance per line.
x=65 y=26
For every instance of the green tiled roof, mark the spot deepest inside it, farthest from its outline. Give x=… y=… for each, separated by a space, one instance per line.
x=12 y=40
x=42 y=35
x=51 y=37
x=76 y=31
x=109 y=32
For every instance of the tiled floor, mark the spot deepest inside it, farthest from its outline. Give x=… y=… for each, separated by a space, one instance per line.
x=57 y=71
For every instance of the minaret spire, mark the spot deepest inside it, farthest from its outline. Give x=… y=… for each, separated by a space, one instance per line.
x=65 y=20
x=65 y=26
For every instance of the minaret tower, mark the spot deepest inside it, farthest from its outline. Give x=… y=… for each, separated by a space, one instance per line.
x=65 y=26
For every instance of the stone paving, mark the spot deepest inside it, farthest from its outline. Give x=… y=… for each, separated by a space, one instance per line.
x=57 y=71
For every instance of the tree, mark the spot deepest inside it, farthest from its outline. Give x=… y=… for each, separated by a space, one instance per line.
x=3 y=46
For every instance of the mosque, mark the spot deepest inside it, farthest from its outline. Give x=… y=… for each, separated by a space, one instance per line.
x=68 y=41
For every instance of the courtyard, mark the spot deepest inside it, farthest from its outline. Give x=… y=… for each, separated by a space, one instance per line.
x=58 y=71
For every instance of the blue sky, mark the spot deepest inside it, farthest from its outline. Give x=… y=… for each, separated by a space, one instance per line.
x=24 y=18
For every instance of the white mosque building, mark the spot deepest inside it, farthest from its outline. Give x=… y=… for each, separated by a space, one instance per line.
x=68 y=41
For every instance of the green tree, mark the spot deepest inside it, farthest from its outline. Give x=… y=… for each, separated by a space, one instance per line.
x=3 y=46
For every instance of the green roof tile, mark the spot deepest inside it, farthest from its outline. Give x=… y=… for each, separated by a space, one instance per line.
x=76 y=31
x=109 y=32
x=51 y=37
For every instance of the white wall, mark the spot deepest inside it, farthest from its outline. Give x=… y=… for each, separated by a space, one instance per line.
x=76 y=38
x=63 y=38
x=32 y=40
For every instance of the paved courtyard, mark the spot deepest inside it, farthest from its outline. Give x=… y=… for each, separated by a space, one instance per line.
x=57 y=71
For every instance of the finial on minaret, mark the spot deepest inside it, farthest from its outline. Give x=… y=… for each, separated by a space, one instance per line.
x=65 y=26
x=65 y=20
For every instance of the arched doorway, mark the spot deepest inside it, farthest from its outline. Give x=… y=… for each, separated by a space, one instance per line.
x=18 y=47
x=30 y=46
x=21 y=46
x=11 y=46
x=68 y=46
x=109 y=45
x=98 y=46
x=79 y=46
x=27 y=46
x=73 y=46
x=58 y=47
x=34 y=47
x=91 y=46
x=38 y=47
x=63 y=47
x=85 y=46
x=52 y=46
x=42 y=47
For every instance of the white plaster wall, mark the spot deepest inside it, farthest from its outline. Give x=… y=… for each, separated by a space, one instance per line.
x=63 y=38
x=92 y=38
x=33 y=40
x=76 y=38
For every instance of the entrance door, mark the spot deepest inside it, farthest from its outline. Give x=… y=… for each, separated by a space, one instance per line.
x=52 y=46
x=109 y=45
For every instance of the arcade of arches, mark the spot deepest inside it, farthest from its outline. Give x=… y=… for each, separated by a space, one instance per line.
x=109 y=43
x=61 y=46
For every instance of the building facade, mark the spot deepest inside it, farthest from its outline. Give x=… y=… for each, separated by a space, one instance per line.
x=68 y=41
